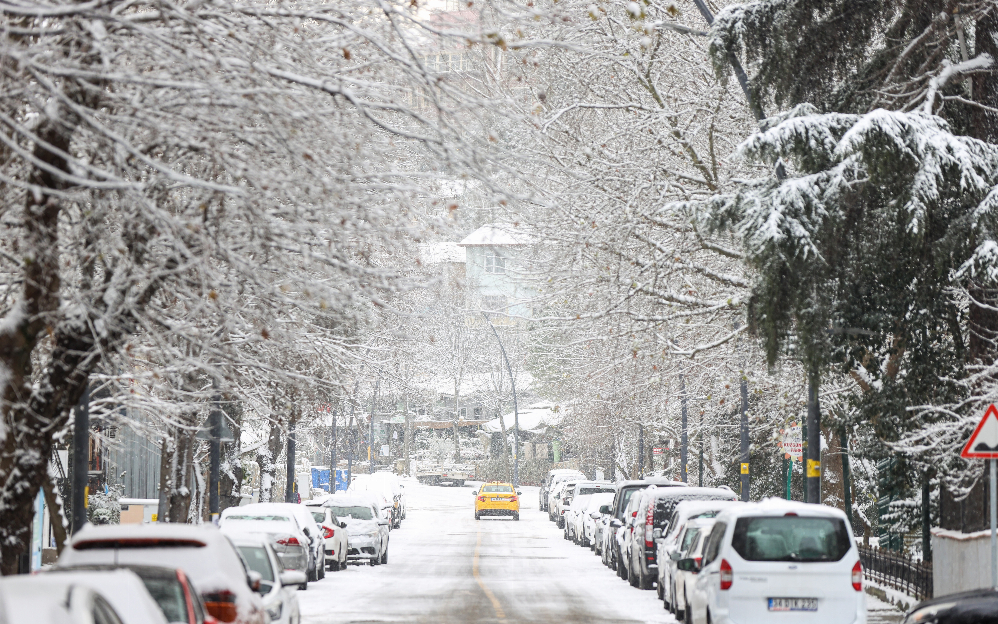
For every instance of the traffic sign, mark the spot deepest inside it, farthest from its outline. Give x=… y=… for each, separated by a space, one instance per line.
x=983 y=444
x=656 y=451
x=792 y=442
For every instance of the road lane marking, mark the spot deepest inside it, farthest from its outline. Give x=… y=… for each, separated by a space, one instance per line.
x=478 y=577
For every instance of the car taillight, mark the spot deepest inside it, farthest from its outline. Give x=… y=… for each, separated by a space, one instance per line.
x=288 y=541
x=327 y=532
x=481 y=499
x=221 y=605
x=857 y=576
x=649 y=527
x=726 y=574
x=513 y=499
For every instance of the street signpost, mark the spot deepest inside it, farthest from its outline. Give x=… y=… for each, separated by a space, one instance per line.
x=983 y=444
x=792 y=445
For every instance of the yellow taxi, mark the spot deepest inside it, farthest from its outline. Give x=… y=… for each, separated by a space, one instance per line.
x=497 y=499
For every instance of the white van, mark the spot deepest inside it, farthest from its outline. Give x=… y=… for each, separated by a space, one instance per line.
x=778 y=561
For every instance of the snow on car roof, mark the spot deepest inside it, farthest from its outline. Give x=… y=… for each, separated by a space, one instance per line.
x=657 y=492
x=779 y=507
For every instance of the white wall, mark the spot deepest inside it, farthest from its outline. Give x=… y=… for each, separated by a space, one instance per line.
x=960 y=561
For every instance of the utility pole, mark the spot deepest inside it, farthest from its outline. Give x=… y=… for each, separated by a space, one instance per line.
x=746 y=477
x=370 y=440
x=700 y=481
x=405 y=438
x=641 y=451
x=516 y=411
x=214 y=452
x=81 y=459
x=812 y=467
x=332 y=454
x=289 y=490
x=684 y=444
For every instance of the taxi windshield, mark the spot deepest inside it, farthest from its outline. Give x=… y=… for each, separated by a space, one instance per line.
x=495 y=489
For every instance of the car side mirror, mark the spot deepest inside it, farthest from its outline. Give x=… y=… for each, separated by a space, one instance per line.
x=253 y=579
x=306 y=532
x=383 y=522
x=343 y=525
x=656 y=533
x=519 y=493
x=474 y=493
x=605 y=509
x=675 y=555
x=615 y=523
x=292 y=577
x=688 y=565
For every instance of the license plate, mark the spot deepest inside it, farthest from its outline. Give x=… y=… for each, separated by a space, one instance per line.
x=793 y=604
x=496 y=499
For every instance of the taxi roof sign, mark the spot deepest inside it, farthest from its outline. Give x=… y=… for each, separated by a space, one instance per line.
x=983 y=444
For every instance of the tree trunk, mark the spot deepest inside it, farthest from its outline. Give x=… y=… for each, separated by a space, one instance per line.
x=57 y=515
x=267 y=460
x=231 y=472
x=181 y=475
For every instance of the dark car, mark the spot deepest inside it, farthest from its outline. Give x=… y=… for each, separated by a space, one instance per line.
x=979 y=606
x=626 y=489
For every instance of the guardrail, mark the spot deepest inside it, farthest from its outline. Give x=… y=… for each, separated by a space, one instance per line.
x=897 y=571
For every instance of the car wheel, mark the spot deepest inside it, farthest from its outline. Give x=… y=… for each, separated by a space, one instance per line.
x=659 y=593
x=384 y=557
x=334 y=566
x=687 y=614
x=516 y=516
x=372 y=562
x=303 y=586
x=478 y=516
x=322 y=569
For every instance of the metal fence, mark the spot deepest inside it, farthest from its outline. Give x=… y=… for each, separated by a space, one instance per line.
x=897 y=571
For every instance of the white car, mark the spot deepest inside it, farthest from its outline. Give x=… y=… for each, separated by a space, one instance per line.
x=378 y=489
x=317 y=556
x=78 y=598
x=691 y=544
x=591 y=517
x=558 y=484
x=779 y=561
x=278 y=587
x=335 y=535
x=672 y=541
x=367 y=529
x=578 y=500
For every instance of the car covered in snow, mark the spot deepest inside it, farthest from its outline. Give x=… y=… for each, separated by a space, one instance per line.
x=690 y=546
x=778 y=561
x=366 y=527
x=591 y=518
x=578 y=500
x=313 y=543
x=337 y=540
x=70 y=599
x=206 y=556
x=277 y=587
x=674 y=539
x=552 y=477
x=385 y=487
x=281 y=528
x=619 y=523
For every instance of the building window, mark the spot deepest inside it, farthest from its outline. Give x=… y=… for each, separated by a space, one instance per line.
x=494 y=303
x=494 y=263
x=448 y=62
x=455 y=5
x=478 y=411
x=464 y=413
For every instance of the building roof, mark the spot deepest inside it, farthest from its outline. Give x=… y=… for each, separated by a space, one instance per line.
x=496 y=235
x=438 y=253
x=535 y=418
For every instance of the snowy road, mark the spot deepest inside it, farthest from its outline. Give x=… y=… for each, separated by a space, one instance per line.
x=446 y=567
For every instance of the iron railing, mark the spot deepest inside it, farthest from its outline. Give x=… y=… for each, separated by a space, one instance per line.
x=898 y=571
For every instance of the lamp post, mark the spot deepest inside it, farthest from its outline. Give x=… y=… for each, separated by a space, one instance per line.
x=516 y=413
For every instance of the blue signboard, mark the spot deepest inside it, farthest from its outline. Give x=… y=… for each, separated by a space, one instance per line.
x=320 y=479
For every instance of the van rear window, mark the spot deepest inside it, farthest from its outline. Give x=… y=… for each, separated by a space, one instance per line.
x=790 y=538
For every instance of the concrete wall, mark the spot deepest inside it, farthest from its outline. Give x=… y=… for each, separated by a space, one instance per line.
x=960 y=561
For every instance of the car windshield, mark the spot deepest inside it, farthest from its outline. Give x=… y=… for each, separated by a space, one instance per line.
x=497 y=489
x=790 y=538
x=169 y=595
x=258 y=560
x=355 y=513
x=319 y=516
x=260 y=517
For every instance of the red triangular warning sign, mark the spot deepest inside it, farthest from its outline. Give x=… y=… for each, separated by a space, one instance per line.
x=984 y=443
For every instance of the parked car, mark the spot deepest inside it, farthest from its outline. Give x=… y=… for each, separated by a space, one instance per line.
x=592 y=516
x=614 y=539
x=277 y=587
x=673 y=540
x=286 y=535
x=204 y=554
x=578 y=500
x=58 y=599
x=653 y=511
x=690 y=547
x=177 y=598
x=337 y=540
x=979 y=606
x=366 y=528
x=314 y=540
x=376 y=488
x=555 y=488
x=549 y=479
x=778 y=560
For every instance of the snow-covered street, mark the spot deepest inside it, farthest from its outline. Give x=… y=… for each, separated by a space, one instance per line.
x=446 y=567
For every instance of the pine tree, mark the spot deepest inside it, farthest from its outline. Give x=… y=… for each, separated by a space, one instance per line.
x=875 y=255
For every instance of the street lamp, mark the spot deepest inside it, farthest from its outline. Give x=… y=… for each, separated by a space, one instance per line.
x=516 y=413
